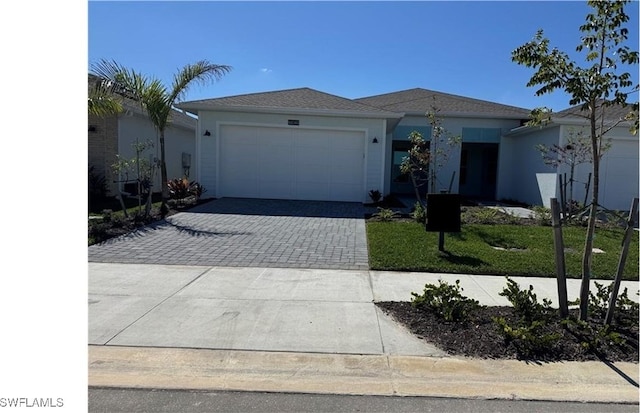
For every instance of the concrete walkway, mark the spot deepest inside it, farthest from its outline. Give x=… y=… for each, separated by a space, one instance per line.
x=313 y=330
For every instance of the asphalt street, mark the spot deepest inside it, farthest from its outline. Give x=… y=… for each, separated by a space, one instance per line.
x=158 y=401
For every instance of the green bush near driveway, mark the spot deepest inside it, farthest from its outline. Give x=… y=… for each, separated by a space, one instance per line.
x=514 y=250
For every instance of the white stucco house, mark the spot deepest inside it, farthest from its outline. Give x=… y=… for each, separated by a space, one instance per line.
x=114 y=135
x=307 y=144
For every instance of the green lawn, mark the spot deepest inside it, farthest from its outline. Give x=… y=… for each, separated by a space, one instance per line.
x=405 y=246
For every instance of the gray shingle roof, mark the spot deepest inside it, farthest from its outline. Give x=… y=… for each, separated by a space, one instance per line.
x=421 y=100
x=302 y=98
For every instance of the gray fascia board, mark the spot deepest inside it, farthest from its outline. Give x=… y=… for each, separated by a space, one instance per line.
x=556 y=122
x=292 y=111
x=467 y=115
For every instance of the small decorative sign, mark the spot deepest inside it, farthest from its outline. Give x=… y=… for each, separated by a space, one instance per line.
x=294 y=122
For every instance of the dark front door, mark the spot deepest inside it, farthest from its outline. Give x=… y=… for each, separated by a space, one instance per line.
x=479 y=170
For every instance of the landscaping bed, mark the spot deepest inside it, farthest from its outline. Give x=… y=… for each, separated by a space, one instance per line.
x=479 y=336
x=492 y=242
x=111 y=223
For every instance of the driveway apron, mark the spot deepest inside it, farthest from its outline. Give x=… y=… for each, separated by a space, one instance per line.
x=248 y=233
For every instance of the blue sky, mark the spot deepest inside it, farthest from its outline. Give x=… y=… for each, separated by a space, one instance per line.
x=351 y=49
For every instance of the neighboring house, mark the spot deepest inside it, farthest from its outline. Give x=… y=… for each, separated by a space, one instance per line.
x=114 y=135
x=306 y=144
x=619 y=166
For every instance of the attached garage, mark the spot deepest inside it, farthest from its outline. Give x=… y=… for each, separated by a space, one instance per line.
x=291 y=163
x=298 y=144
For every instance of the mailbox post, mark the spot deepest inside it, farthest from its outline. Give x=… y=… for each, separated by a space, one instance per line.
x=443 y=215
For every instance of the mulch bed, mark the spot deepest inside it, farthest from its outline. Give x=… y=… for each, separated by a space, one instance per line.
x=479 y=338
x=102 y=230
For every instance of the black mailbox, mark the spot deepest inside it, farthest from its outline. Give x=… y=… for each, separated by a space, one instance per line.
x=443 y=213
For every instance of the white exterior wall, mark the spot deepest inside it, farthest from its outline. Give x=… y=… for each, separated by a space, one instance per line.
x=177 y=140
x=618 y=169
x=207 y=146
x=522 y=163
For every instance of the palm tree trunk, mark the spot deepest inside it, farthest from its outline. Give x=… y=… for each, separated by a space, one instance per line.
x=163 y=175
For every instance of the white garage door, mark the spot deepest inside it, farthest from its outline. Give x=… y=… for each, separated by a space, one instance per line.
x=291 y=163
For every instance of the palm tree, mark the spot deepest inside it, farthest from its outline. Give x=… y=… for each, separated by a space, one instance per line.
x=102 y=102
x=154 y=98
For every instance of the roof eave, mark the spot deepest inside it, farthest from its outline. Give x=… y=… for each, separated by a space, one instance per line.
x=556 y=122
x=132 y=109
x=195 y=108
x=471 y=115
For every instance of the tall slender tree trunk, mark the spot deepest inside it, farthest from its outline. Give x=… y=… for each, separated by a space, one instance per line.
x=416 y=190
x=591 y=225
x=163 y=175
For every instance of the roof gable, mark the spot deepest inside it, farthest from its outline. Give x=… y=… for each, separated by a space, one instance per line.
x=421 y=100
x=291 y=99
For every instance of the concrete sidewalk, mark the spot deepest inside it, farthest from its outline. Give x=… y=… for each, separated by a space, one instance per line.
x=161 y=326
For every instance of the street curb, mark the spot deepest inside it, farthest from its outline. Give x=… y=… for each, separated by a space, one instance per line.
x=378 y=374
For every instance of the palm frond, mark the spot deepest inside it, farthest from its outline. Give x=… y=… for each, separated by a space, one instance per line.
x=101 y=102
x=119 y=79
x=200 y=72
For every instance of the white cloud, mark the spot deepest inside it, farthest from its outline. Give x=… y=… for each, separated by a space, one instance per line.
x=266 y=70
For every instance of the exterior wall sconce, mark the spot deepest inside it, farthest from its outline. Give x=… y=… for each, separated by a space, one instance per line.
x=92 y=128
x=207 y=133
x=375 y=140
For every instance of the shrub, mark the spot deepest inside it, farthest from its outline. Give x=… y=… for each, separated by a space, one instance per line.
x=197 y=189
x=97 y=185
x=385 y=214
x=375 y=195
x=625 y=310
x=419 y=213
x=107 y=215
x=528 y=334
x=592 y=336
x=525 y=302
x=178 y=188
x=445 y=300
x=530 y=339
x=542 y=215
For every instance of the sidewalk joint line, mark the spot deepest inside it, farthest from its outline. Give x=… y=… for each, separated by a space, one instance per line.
x=158 y=305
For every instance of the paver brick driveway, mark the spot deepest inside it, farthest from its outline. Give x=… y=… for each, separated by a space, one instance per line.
x=248 y=232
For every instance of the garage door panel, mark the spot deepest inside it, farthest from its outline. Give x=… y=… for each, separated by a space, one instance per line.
x=312 y=173
x=275 y=164
x=342 y=175
x=309 y=154
x=346 y=157
x=342 y=192
x=241 y=188
x=241 y=136
x=275 y=190
x=291 y=163
x=350 y=141
x=313 y=191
